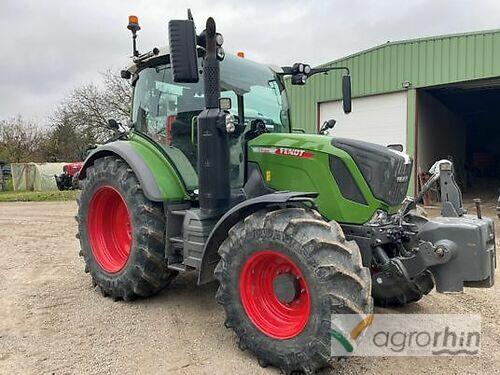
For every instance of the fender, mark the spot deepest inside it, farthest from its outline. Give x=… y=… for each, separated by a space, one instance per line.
x=210 y=256
x=156 y=176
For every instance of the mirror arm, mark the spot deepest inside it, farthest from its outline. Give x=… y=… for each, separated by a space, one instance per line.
x=327 y=69
x=140 y=58
x=287 y=70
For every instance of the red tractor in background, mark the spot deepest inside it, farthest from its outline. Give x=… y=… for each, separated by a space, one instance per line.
x=68 y=180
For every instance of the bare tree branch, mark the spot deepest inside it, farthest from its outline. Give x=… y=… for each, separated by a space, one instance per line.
x=21 y=141
x=80 y=120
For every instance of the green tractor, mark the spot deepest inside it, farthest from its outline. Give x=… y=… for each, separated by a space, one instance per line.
x=211 y=178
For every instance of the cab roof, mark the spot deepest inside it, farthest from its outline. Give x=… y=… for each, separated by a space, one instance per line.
x=164 y=57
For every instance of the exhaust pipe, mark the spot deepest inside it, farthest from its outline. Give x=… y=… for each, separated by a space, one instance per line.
x=213 y=150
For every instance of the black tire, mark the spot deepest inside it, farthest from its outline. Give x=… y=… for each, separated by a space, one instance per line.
x=145 y=271
x=331 y=266
x=75 y=182
x=396 y=293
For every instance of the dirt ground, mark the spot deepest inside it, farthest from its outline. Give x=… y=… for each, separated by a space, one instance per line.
x=53 y=321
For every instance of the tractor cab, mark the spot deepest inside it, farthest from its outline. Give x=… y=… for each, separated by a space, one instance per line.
x=167 y=111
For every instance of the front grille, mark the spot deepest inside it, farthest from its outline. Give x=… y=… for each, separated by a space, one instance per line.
x=396 y=192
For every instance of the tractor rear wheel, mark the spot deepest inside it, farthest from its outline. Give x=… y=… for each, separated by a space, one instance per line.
x=282 y=275
x=121 y=232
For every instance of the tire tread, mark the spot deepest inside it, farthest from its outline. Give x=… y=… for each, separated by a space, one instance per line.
x=148 y=274
x=345 y=283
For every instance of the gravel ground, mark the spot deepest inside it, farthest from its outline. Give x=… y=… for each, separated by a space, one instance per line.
x=53 y=321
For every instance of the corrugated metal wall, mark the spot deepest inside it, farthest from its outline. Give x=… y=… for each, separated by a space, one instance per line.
x=423 y=62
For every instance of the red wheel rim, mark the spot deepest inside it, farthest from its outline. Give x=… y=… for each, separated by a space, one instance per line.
x=271 y=316
x=109 y=229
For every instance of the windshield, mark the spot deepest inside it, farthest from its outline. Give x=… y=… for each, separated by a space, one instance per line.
x=168 y=111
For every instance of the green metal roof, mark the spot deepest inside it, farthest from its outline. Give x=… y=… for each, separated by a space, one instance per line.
x=423 y=62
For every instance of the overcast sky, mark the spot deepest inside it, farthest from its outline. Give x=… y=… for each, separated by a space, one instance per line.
x=52 y=46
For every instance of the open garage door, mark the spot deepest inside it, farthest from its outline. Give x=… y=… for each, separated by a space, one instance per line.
x=461 y=121
x=379 y=119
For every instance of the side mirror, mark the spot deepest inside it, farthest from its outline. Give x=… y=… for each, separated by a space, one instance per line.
x=183 y=56
x=346 y=94
x=327 y=125
x=113 y=124
x=125 y=74
x=396 y=147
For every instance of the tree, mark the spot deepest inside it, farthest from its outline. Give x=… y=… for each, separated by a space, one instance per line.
x=118 y=96
x=88 y=108
x=21 y=141
x=79 y=121
x=82 y=117
x=66 y=142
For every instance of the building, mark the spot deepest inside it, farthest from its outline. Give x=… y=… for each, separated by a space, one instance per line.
x=439 y=97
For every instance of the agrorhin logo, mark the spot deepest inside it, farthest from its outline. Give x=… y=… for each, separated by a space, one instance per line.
x=406 y=335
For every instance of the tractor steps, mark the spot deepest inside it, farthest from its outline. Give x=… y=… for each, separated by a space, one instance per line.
x=178 y=212
x=178 y=267
x=176 y=240
x=174 y=245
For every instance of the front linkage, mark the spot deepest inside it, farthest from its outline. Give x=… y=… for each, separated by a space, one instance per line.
x=458 y=249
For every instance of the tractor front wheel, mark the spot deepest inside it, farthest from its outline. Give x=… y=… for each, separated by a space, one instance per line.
x=282 y=275
x=121 y=232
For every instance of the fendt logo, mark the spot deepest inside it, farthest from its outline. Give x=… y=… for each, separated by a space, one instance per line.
x=284 y=151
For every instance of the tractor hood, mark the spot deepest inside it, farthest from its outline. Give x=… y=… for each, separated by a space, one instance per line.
x=366 y=174
x=386 y=171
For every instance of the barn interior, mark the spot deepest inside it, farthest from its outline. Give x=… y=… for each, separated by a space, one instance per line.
x=462 y=122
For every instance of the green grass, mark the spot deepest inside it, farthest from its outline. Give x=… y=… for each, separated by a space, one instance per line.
x=37 y=196
x=9 y=186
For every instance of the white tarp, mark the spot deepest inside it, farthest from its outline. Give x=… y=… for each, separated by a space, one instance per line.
x=35 y=176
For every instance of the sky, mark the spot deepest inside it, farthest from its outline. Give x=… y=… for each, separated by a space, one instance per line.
x=52 y=46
